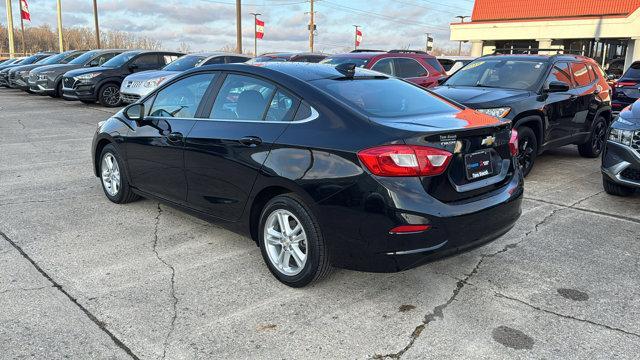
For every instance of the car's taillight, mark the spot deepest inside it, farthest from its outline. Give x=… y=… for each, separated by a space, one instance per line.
x=409 y=229
x=513 y=142
x=405 y=160
x=626 y=83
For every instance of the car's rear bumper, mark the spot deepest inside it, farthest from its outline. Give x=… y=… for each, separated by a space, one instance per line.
x=621 y=164
x=454 y=227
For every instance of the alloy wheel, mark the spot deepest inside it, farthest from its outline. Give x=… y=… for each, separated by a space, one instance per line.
x=111 y=95
x=526 y=153
x=286 y=242
x=110 y=174
x=599 y=133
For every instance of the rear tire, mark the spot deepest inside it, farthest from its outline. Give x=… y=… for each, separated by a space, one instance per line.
x=615 y=189
x=594 y=146
x=109 y=95
x=113 y=176
x=282 y=247
x=527 y=149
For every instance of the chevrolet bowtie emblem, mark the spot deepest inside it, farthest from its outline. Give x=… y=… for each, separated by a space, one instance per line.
x=489 y=140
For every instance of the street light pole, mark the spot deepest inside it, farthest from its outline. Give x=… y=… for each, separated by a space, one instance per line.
x=461 y=17
x=238 y=27
x=12 y=49
x=312 y=26
x=255 y=33
x=95 y=21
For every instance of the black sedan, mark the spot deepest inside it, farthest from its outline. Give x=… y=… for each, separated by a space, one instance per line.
x=321 y=166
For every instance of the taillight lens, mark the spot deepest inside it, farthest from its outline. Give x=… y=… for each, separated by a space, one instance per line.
x=409 y=229
x=513 y=142
x=626 y=83
x=405 y=160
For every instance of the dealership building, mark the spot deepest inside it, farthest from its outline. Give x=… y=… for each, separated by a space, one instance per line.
x=605 y=30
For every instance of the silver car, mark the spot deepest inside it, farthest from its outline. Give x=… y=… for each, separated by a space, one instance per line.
x=138 y=85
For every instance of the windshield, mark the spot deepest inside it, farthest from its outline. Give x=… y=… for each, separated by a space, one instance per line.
x=31 y=59
x=53 y=59
x=345 y=60
x=499 y=73
x=185 y=63
x=120 y=60
x=84 y=58
x=384 y=97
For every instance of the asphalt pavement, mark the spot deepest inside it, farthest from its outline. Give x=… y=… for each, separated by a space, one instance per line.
x=83 y=278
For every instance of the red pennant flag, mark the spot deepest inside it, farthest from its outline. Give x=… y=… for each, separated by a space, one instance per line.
x=259 y=29
x=358 y=37
x=24 y=10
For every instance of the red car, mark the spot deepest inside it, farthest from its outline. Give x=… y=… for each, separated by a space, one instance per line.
x=416 y=66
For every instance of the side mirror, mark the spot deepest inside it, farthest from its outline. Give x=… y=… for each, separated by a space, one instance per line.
x=611 y=77
x=442 y=80
x=558 y=86
x=134 y=112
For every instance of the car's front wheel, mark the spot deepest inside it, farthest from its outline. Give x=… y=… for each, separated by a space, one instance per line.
x=114 y=178
x=612 y=188
x=594 y=146
x=291 y=242
x=527 y=149
x=109 y=95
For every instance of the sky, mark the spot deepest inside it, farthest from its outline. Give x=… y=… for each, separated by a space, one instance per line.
x=210 y=24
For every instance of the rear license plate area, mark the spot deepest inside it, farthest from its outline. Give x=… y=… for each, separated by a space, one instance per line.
x=478 y=165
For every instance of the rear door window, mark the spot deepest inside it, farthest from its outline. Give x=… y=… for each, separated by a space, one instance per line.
x=168 y=58
x=560 y=72
x=580 y=73
x=243 y=98
x=182 y=98
x=282 y=107
x=435 y=64
x=408 y=68
x=235 y=59
x=384 y=66
x=146 y=61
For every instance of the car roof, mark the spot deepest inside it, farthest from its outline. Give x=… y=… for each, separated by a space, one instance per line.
x=538 y=57
x=217 y=53
x=299 y=70
x=392 y=53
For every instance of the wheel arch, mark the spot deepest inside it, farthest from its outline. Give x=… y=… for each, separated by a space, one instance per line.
x=533 y=120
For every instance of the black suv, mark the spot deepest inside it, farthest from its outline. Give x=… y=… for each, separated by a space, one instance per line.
x=553 y=100
x=103 y=83
x=626 y=89
x=47 y=80
x=621 y=156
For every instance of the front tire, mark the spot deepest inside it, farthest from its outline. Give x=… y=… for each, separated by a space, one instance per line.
x=528 y=149
x=291 y=242
x=615 y=189
x=594 y=146
x=114 y=177
x=109 y=95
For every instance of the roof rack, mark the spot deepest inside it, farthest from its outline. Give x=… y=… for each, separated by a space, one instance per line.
x=406 y=51
x=533 y=50
x=365 y=50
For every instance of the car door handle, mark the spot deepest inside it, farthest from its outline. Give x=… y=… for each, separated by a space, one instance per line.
x=175 y=136
x=250 y=141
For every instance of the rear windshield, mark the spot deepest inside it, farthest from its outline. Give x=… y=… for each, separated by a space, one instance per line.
x=435 y=64
x=633 y=72
x=120 y=60
x=359 y=62
x=185 y=63
x=500 y=73
x=267 y=58
x=384 y=97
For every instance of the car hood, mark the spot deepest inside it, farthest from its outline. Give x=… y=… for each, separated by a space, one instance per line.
x=464 y=119
x=8 y=66
x=151 y=74
x=84 y=70
x=478 y=97
x=25 y=67
x=629 y=118
x=58 y=68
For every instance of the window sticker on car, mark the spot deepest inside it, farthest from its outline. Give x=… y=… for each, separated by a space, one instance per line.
x=471 y=66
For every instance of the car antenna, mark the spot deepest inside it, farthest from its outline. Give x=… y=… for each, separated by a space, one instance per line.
x=347 y=69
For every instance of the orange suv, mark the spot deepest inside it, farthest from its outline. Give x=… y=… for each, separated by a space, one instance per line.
x=415 y=66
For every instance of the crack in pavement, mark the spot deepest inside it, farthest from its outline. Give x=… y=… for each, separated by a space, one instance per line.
x=21 y=124
x=174 y=317
x=438 y=311
x=608 y=327
x=596 y=212
x=25 y=289
x=101 y=325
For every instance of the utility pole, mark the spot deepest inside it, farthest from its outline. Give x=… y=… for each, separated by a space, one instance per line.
x=426 y=47
x=312 y=26
x=355 y=39
x=461 y=17
x=255 y=33
x=95 y=21
x=238 y=27
x=60 y=38
x=12 y=49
